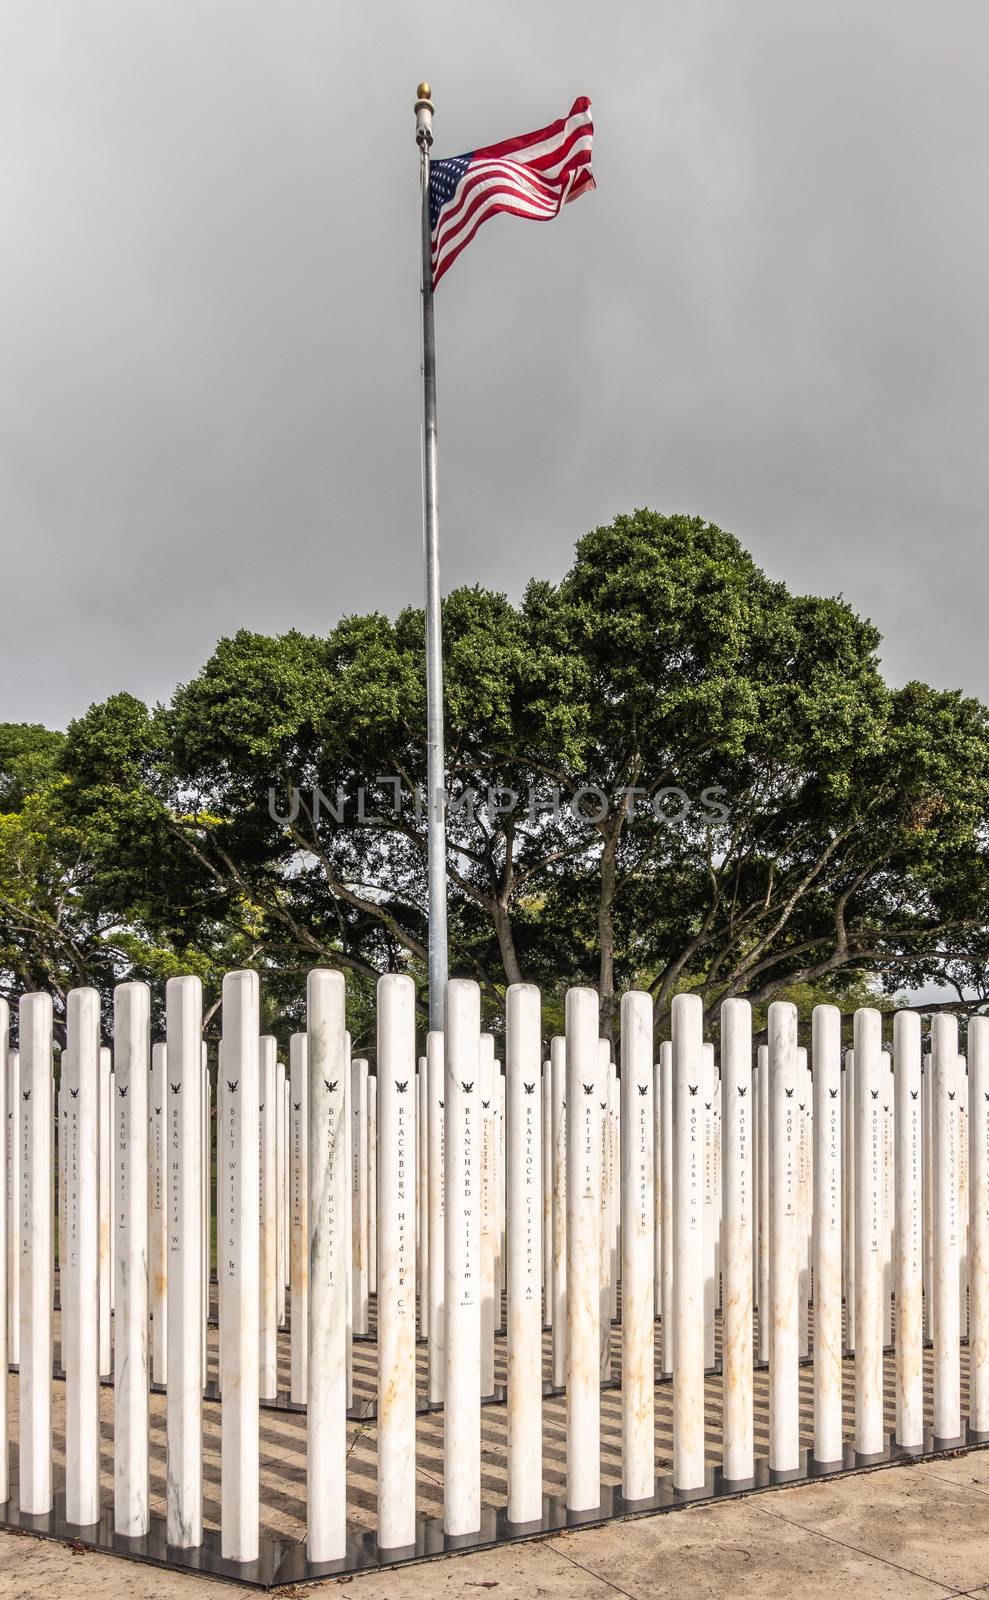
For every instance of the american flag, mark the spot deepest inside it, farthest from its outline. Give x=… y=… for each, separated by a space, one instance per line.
x=533 y=176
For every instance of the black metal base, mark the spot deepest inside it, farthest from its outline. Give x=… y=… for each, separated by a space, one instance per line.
x=285 y=1561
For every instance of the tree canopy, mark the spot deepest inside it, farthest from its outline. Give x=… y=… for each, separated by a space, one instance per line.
x=664 y=770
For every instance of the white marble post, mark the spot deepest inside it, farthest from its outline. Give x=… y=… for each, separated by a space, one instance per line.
x=79 y=1281
x=348 y=1217
x=184 y=1406
x=237 y=1252
x=583 y=1409
x=436 y=1120
x=805 y=1199
x=280 y=1195
x=12 y=1105
x=131 y=1371
x=372 y=1185
x=546 y=1092
x=558 y=1089
x=614 y=1189
x=978 y=1232
x=848 y=1157
x=5 y=1230
x=488 y=1213
x=784 y=1373
x=909 y=1255
x=35 y=1234
x=105 y=1148
x=762 y=1199
x=710 y=1223
x=664 y=1158
x=526 y=1214
x=268 y=1247
x=299 y=1219
x=326 y=1438
x=886 y=1102
x=359 y=1196
x=688 y=1242
x=869 y=1439
x=501 y=1261
x=638 y=1229
x=826 y=1043
x=422 y=1196
x=206 y=1202
x=158 y=1215
x=947 y=1368
x=462 y=1251
x=927 y=1140
x=736 y=1239
x=961 y=1103
x=604 y=1211
x=398 y=1160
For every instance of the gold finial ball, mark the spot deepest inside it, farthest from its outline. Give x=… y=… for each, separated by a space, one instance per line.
x=424 y=92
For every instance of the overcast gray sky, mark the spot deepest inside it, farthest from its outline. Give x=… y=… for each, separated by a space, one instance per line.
x=771 y=313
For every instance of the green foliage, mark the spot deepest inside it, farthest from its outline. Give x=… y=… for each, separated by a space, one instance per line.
x=833 y=844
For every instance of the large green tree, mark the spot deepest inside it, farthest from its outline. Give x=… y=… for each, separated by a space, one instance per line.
x=665 y=769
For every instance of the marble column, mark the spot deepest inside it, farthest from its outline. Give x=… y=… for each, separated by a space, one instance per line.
x=105 y=1211
x=546 y=1092
x=927 y=1141
x=5 y=1231
x=614 y=1187
x=978 y=1233
x=158 y=1216
x=710 y=1222
x=488 y=1213
x=869 y=1438
x=398 y=1160
x=372 y=1185
x=664 y=1158
x=280 y=1195
x=848 y=1113
x=13 y=1109
x=36 y=1266
x=805 y=1191
x=583 y=1410
x=268 y=1247
x=638 y=1231
x=329 y=1178
x=784 y=1374
x=826 y=1042
x=525 y=1197
x=358 y=1199
x=886 y=1101
x=299 y=1218
x=79 y=1282
x=947 y=1370
x=558 y=1090
x=422 y=1196
x=688 y=1242
x=961 y=1104
x=184 y=1405
x=736 y=1239
x=909 y=1254
x=131 y=1071
x=436 y=1117
x=604 y=1211
x=237 y=1250
x=762 y=1199
x=462 y=1250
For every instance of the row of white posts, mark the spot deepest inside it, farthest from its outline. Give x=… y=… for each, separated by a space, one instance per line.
x=823 y=1199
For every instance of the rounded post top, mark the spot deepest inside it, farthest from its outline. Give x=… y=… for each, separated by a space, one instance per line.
x=423 y=92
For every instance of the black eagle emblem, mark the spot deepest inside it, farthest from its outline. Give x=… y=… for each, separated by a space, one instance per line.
x=741 y=1090
x=74 y=1093
x=693 y=1087
x=466 y=1087
x=529 y=1088
x=833 y=1093
x=26 y=1093
x=123 y=1092
x=788 y=1093
x=588 y=1088
x=485 y=1104
x=643 y=1088
x=401 y=1087
x=331 y=1086
x=915 y=1092
x=951 y=1094
x=233 y=1086
x=175 y=1087
x=874 y=1093
x=297 y=1105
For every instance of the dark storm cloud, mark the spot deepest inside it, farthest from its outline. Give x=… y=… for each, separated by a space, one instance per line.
x=771 y=313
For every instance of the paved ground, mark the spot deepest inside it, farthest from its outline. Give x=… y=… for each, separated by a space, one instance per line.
x=910 y=1531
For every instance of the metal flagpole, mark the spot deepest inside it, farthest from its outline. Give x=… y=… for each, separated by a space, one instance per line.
x=435 y=766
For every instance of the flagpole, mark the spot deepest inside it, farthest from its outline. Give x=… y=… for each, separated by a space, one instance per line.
x=435 y=766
